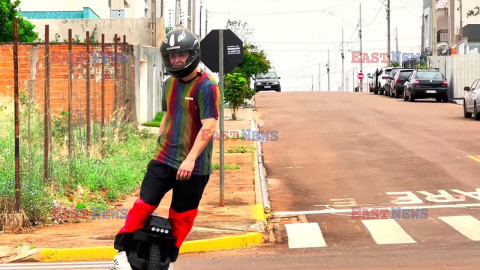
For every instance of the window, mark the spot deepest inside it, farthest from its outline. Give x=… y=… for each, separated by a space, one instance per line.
x=442 y=36
x=405 y=74
x=430 y=75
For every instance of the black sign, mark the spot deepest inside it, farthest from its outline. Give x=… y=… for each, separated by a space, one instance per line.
x=232 y=50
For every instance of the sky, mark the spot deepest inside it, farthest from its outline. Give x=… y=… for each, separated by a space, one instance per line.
x=297 y=35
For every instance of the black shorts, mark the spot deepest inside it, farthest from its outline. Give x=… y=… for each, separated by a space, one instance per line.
x=160 y=178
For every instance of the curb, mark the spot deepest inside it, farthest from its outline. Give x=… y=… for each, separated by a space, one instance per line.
x=107 y=253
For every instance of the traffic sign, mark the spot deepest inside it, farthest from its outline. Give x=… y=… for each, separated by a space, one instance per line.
x=360 y=76
x=221 y=51
x=232 y=50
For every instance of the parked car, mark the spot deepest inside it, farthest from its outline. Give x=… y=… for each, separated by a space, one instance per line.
x=398 y=81
x=389 y=81
x=379 y=79
x=267 y=81
x=471 y=102
x=426 y=84
x=370 y=82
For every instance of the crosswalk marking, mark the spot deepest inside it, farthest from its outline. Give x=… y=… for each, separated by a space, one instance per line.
x=387 y=231
x=304 y=235
x=466 y=225
x=476 y=158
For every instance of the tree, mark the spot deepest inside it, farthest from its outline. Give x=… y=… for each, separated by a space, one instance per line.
x=474 y=12
x=242 y=30
x=236 y=91
x=254 y=62
x=8 y=12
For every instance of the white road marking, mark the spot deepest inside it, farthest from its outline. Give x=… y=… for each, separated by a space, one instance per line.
x=304 y=235
x=387 y=231
x=466 y=225
x=67 y=265
x=349 y=210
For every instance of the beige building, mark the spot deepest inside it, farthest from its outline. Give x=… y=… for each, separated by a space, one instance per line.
x=447 y=29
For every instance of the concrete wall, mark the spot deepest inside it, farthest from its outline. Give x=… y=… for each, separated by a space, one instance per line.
x=148 y=82
x=138 y=31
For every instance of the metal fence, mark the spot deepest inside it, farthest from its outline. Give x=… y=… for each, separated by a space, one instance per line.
x=460 y=71
x=73 y=94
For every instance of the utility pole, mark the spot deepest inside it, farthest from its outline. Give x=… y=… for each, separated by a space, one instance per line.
x=433 y=36
x=154 y=22
x=189 y=15
x=422 y=49
x=343 y=64
x=388 y=34
x=177 y=14
x=312 y=82
x=200 y=21
x=396 y=44
x=194 y=15
x=461 y=20
x=206 y=21
x=353 y=79
x=161 y=10
x=328 y=70
x=361 y=48
x=319 y=77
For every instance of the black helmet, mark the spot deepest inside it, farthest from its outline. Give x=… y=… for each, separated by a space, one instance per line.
x=178 y=41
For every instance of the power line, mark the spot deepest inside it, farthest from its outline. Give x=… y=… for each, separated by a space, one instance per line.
x=378 y=12
x=322 y=42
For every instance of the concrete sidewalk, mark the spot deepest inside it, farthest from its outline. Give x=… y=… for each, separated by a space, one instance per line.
x=239 y=224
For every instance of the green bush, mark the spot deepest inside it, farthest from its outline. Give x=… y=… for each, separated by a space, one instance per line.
x=236 y=91
x=155 y=122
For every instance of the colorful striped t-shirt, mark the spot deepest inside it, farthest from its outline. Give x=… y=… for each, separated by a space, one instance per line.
x=186 y=104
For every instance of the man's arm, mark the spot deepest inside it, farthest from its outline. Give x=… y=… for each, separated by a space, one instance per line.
x=162 y=123
x=203 y=138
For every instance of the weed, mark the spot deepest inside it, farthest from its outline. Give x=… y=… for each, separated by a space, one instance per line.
x=240 y=149
x=216 y=166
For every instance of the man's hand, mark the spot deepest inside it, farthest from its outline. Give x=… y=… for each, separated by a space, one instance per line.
x=185 y=170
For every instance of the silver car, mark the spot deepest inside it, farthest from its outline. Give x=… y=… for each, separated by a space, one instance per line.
x=471 y=102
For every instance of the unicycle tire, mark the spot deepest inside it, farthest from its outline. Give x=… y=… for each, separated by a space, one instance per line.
x=155 y=259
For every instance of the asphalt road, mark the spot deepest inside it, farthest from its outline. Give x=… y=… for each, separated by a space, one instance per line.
x=336 y=151
x=344 y=154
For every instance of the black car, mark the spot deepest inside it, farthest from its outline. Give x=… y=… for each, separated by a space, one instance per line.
x=389 y=81
x=398 y=82
x=267 y=81
x=426 y=84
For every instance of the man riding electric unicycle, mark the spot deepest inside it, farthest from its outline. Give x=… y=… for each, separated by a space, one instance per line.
x=181 y=162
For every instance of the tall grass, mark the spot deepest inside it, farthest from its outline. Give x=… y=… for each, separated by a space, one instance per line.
x=111 y=170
